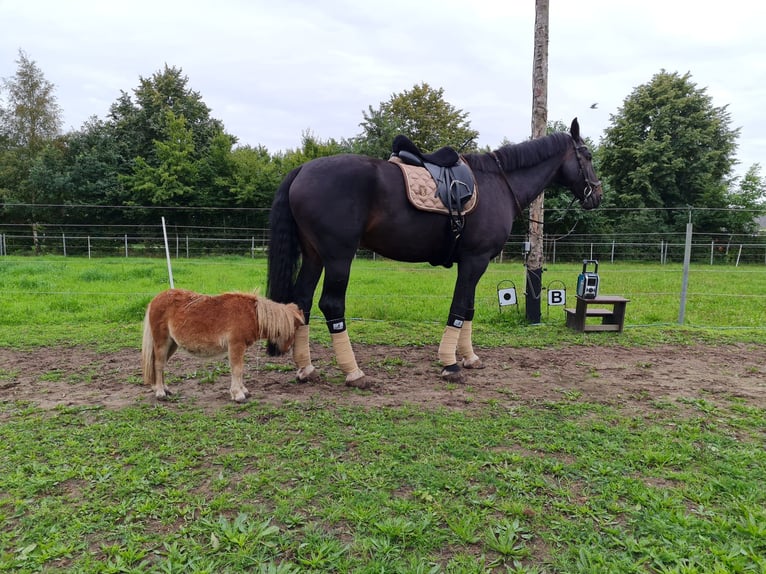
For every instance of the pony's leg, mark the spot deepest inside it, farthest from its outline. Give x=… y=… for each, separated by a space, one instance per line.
x=333 y=306
x=237 y=363
x=161 y=358
x=162 y=353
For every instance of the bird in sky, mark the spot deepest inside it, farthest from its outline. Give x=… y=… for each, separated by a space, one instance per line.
x=594 y=106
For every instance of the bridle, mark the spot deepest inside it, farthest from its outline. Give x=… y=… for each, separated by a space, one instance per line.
x=589 y=185
x=587 y=191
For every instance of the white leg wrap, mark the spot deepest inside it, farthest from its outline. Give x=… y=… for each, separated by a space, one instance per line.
x=344 y=354
x=448 y=345
x=302 y=353
x=301 y=350
x=465 y=347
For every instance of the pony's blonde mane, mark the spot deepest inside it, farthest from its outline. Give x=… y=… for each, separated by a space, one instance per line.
x=276 y=322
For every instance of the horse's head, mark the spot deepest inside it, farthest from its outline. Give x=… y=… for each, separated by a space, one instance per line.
x=577 y=173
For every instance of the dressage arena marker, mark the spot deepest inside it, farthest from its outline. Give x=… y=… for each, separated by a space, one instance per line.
x=506 y=296
x=556 y=297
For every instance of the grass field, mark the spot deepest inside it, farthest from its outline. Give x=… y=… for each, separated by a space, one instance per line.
x=565 y=486
x=388 y=302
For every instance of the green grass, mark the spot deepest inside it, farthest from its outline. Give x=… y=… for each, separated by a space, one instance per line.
x=568 y=487
x=563 y=486
x=46 y=299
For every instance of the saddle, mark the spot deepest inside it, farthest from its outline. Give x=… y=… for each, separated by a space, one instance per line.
x=455 y=184
x=439 y=182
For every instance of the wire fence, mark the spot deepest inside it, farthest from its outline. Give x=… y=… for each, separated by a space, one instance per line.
x=73 y=240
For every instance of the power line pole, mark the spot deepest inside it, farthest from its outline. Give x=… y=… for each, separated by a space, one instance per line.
x=534 y=286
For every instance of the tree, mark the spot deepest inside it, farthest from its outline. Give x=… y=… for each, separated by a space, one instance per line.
x=669 y=146
x=421 y=114
x=746 y=199
x=141 y=122
x=30 y=121
x=172 y=178
x=31 y=117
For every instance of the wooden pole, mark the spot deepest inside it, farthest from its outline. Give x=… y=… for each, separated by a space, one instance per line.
x=534 y=287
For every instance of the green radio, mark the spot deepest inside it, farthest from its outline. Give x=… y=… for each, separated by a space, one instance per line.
x=587 y=281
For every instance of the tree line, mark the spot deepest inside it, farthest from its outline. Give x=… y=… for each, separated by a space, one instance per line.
x=668 y=147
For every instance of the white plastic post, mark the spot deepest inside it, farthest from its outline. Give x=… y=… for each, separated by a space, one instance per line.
x=167 y=253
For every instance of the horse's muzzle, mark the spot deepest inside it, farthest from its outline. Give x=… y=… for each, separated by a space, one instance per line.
x=592 y=197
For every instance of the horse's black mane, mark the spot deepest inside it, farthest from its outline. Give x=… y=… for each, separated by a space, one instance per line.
x=521 y=155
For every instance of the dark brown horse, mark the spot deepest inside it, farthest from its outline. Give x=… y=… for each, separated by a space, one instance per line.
x=329 y=207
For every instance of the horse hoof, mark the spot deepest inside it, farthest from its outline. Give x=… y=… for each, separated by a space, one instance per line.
x=473 y=363
x=453 y=374
x=357 y=380
x=308 y=374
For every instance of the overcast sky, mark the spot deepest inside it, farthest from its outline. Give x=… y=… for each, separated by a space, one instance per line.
x=271 y=70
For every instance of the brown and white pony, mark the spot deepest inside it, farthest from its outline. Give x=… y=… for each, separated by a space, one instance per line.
x=212 y=326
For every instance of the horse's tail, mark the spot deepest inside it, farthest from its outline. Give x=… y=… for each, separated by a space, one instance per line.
x=147 y=351
x=284 y=248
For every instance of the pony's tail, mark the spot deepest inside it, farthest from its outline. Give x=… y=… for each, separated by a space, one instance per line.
x=284 y=248
x=147 y=351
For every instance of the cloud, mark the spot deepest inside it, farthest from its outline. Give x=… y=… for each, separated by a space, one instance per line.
x=272 y=70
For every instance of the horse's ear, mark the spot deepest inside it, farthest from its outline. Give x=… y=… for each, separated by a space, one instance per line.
x=574 y=129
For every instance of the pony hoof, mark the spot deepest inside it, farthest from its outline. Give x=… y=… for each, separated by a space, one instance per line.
x=473 y=363
x=240 y=399
x=453 y=374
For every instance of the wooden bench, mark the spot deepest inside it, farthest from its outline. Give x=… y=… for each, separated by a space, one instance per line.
x=612 y=319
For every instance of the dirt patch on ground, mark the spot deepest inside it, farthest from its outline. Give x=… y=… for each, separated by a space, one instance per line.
x=633 y=378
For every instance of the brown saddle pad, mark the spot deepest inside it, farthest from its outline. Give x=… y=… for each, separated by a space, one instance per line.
x=421 y=190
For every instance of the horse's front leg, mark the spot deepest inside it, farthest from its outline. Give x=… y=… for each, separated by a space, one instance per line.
x=456 y=343
x=237 y=390
x=305 y=285
x=333 y=306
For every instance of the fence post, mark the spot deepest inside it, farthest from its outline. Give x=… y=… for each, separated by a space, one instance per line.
x=739 y=254
x=685 y=282
x=63 y=243
x=126 y=245
x=712 y=248
x=88 y=246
